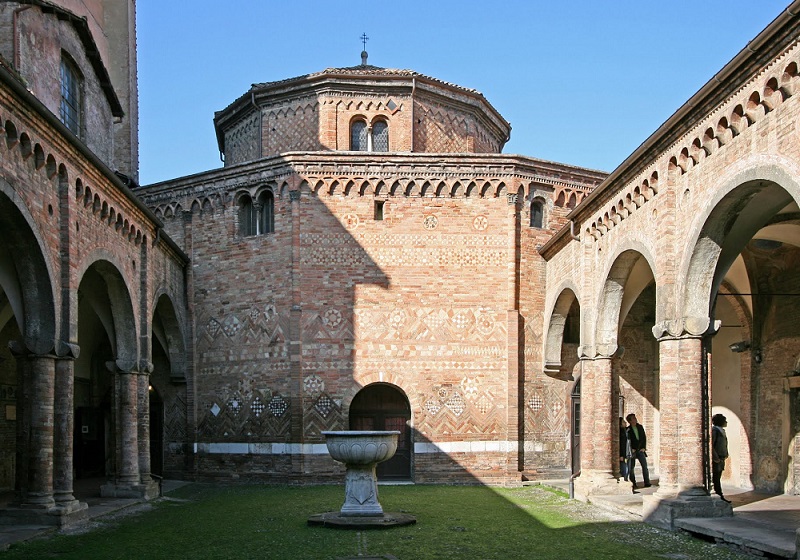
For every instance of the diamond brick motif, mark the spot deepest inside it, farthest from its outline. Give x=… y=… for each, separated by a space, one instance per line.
x=278 y=406
x=324 y=405
x=433 y=407
x=484 y=404
x=456 y=404
x=257 y=407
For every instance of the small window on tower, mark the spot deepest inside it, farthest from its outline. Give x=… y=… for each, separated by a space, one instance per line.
x=71 y=96
x=358 y=136
x=537 y=213
x=379 y=209
x=380 y=136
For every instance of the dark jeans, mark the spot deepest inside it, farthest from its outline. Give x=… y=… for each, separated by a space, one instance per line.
x=623 y=469
x=642 y=457
x=716 y=473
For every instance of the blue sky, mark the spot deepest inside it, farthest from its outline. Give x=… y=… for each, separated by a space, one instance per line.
x=582 y=82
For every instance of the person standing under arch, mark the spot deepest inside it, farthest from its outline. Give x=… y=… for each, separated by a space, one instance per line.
x=638 y=442
x=719 y=452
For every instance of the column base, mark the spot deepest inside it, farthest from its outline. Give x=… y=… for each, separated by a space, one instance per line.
x=143 y=491
x=599 y=483
x=52 y=517
x=663 y=510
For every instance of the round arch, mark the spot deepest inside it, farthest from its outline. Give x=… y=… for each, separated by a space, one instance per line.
x=744 y=204
x=556 y=327
x=166 y=329
x=26 y=274
x=105 y=291
x=630 y=273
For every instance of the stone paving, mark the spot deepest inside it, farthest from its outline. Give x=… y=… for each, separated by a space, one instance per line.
x=762 y=524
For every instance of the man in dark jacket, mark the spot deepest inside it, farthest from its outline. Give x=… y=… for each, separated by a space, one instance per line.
x=719 y=451
x=638 y=442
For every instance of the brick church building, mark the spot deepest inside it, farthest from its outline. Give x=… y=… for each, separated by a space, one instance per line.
x=368 y=258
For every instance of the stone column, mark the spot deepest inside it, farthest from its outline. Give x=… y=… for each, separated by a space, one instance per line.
x=40 y=459
x=128 y=468
x=126 y=482
x=23 y=423
x=680 y=399
x=143 y=397
x=63 y=443
x=598 y=429
x=681 y=491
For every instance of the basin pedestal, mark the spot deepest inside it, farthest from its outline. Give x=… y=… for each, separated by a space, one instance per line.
x=361 y=451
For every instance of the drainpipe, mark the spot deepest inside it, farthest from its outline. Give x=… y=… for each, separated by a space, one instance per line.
x=413 y=123
x=15 y=18
x=572 y=231
x=572 y=485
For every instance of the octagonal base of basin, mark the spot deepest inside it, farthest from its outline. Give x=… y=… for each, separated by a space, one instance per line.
x=336 y=520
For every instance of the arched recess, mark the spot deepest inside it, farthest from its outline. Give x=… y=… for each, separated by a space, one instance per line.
x=168 y=411
x=742 y=276
x=630 y=273
x=27 y=316
x=383 y=406
x=25 y=275
x=564 y=327
x=106 y=335
x=745 y=206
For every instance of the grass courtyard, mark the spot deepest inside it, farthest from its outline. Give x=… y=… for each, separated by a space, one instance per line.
x=214 y=522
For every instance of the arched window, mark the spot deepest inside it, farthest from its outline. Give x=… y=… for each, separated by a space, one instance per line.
x=246 y=216
x=358 y=136
x=537 y=213
x=257 y=218
x=380 y=136
x=71 y=96
x=265 y=210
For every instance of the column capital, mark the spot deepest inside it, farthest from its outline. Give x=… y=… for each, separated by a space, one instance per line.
x=132 y=367
x=21 y=349
x=685 y=327
x=600 y=352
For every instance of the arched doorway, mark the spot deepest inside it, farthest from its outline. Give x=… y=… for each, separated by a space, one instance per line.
x=382 y=406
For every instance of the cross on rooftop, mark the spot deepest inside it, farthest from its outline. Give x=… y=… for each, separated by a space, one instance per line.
x=364 y=40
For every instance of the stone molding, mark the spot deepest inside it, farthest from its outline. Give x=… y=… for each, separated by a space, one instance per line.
x=685 y=327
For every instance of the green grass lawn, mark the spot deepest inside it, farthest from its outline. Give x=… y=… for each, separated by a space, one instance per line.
x=476 y=523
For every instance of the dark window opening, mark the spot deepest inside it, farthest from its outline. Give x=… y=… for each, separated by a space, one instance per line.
x=71 y=96
x=379 y=209
x=358 y=136
x=257 y=218
x=380 y=137
x=537 y=214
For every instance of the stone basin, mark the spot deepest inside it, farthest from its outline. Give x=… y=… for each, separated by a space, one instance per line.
x=361 y=447
x=361 y=451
